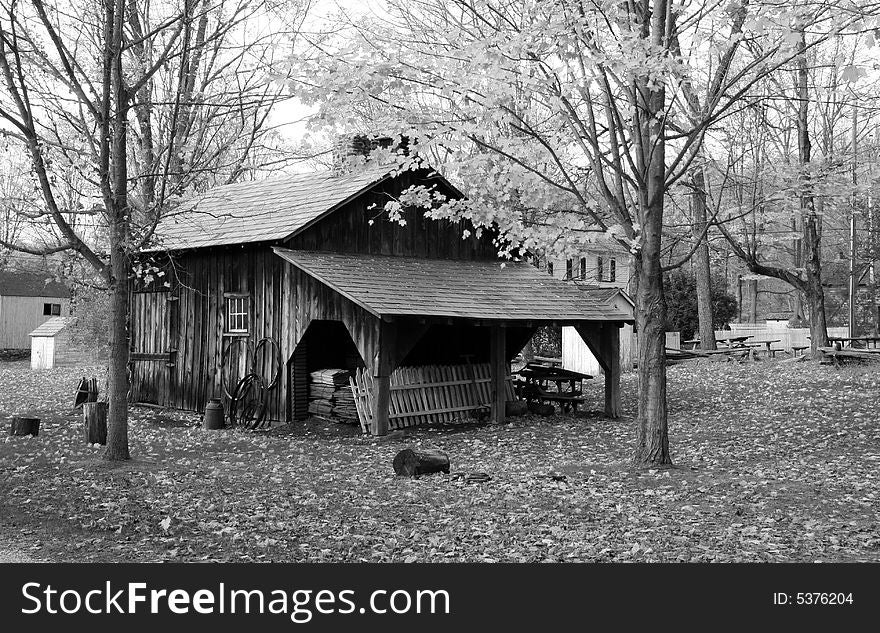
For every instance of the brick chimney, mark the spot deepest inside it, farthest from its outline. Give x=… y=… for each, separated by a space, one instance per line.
x=350 y=150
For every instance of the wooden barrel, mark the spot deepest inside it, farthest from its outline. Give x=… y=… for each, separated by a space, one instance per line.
x=24 y=426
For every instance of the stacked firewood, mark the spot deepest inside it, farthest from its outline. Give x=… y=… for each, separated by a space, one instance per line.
x=330 y=396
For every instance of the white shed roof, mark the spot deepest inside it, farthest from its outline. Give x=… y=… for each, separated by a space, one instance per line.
x=52 y=327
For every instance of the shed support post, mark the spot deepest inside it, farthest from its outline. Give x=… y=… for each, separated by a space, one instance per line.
x=382 y=368
x=612 y=373
x=498 y=364
x=604 y=342
x=382 y=404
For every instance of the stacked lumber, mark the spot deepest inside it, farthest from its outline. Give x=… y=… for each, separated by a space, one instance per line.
x=330 y=396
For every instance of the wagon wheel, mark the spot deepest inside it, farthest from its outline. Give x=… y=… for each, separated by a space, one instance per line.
x=248 y=402
x=234 y=350
x=257 y=362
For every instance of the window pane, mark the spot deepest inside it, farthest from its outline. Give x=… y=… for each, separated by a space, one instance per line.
x=612 y=273
x=56 y=309
x=236 y=314
x=47 y=309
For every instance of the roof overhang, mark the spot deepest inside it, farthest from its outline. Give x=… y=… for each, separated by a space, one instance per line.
x=442 y=289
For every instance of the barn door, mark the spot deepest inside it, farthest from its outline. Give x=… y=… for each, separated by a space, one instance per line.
x=153 y=347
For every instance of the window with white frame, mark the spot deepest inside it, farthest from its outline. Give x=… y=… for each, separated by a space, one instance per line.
x=606 y=270
x=237 y=318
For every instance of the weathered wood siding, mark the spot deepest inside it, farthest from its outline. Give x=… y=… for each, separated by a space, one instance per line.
x=349 y=230
x=178 y=336
x=19 y=316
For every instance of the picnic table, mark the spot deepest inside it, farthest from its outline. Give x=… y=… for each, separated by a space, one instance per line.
x=869 y=341
x=767 y=343
x=728 y=341
x=537 y=380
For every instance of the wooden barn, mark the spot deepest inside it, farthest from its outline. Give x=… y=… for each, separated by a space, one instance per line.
x=28 y=299
x=298 y=274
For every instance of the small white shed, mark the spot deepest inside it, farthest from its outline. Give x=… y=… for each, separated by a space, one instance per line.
x=50 y=342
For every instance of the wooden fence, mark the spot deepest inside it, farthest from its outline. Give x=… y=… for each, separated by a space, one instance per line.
x=428 y=394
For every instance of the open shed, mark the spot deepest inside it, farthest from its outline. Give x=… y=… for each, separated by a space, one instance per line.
x=407 y=311
x=307 y=263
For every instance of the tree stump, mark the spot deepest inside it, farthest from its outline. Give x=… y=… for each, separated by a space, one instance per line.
x=95 y=422
x=412 y=463
x=25 y=426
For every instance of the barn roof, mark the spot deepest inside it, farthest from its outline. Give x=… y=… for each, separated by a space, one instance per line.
x=261 y=211
x=603 y=293
x=486 y=290
x=52 y=327
x=26 y=284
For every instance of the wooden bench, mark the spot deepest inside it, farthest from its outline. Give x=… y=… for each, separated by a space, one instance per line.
x=565 y=400
x=798 y=350
x=529 y=392
x=834 y=355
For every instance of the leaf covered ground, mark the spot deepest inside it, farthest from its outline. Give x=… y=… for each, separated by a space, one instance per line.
x=775 y=461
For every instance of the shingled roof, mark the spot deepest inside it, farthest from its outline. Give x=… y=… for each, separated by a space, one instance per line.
x=26 y=284
x=485 y=290
x=261 y=211
x=52 y=327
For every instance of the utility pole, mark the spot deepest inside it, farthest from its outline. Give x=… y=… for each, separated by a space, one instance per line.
x=852 y=228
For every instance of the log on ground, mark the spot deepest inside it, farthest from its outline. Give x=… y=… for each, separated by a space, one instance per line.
x=413 y=463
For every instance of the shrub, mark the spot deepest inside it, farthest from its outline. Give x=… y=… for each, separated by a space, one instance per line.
x=681 y=304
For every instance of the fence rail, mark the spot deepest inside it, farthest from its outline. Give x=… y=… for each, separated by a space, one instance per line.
x=427 y=394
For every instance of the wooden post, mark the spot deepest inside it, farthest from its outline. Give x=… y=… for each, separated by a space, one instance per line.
x=95 y=422
x=611 y=347
x=498 y=364
x=381 y=403
x=382 y=368
x=604 y=342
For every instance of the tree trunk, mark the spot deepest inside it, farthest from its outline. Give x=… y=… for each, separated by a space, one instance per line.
x=739 y=298
x=702 y=272
x=117 y=426
x=815 y=293
x=120 y=259
x=753 y=300
x=652 y=445
x=812 y=240
x=412 y=463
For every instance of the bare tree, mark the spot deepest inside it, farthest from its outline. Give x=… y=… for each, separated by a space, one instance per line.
x=140 y=101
